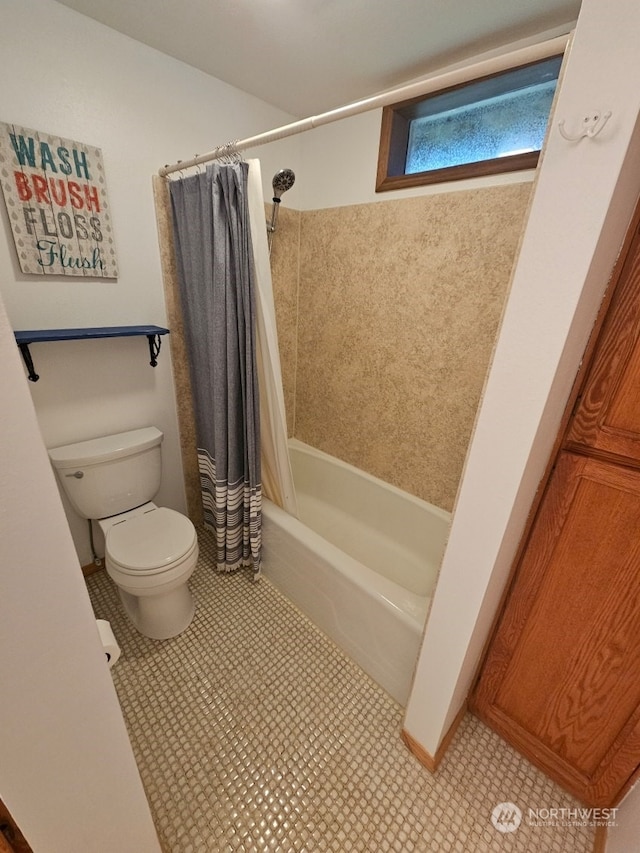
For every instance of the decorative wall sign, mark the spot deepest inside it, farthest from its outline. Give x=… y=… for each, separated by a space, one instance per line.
x=56 y=197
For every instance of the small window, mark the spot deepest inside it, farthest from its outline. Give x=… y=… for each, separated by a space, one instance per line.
x=484 y=127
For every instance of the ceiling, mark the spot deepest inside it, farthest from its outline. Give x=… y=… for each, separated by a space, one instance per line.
x=309 y=56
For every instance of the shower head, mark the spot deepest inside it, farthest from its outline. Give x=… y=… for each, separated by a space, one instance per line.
x=282 y=181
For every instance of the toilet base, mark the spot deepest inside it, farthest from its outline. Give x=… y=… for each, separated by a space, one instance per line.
x=160 y=617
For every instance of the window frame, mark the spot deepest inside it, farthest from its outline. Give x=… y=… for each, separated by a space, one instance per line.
x=394 y=137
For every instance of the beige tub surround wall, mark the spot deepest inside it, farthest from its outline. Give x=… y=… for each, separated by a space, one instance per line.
x=179 y=358
x=398 y=308
x=387 y=315
x=285 y=263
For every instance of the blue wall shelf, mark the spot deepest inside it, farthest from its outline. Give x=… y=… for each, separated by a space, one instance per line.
x=24 y=339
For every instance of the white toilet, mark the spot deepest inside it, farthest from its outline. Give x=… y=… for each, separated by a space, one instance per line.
x=150 y=551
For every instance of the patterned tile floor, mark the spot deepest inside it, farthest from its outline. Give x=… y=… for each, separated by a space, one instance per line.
x=253 y=732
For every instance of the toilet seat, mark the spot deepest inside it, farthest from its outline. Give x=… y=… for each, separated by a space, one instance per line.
x=154 y=542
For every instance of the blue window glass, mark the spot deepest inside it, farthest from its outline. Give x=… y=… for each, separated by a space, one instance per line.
x=495 y=117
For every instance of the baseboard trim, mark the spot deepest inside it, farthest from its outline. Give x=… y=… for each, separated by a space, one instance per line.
x=600 y=840
x=432 y=762
x=91 y=569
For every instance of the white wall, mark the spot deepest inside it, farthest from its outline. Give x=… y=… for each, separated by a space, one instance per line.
x=67 y=772
x=584 y=198
x=66 y=74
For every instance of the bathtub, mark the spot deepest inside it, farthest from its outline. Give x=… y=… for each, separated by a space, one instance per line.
x=361 y=562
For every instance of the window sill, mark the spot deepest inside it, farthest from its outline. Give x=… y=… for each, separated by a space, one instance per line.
x=499 y=166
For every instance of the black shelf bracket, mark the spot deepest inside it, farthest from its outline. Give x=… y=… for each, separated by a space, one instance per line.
x=26 y=355
x=155 y=343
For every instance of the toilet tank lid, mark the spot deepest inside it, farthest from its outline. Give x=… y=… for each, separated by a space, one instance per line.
x=106 y=447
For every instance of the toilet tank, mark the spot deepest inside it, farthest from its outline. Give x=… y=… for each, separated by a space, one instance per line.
x=112 y=474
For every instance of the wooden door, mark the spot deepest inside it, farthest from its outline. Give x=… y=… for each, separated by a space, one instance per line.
x=607 y=418
x=561 y=680
x=11 y=839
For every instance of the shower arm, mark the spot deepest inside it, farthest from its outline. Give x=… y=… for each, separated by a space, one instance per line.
x=271 y=226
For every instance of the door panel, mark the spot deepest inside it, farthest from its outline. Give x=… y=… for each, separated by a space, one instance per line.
x=562 y=678
x=607 y=419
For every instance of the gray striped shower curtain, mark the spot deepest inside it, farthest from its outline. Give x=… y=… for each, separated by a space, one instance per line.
x=217 y=292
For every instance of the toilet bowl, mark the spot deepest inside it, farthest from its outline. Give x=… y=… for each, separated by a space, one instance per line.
x=150 y=551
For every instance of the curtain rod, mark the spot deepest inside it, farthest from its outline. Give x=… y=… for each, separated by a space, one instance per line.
x=483 y=68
